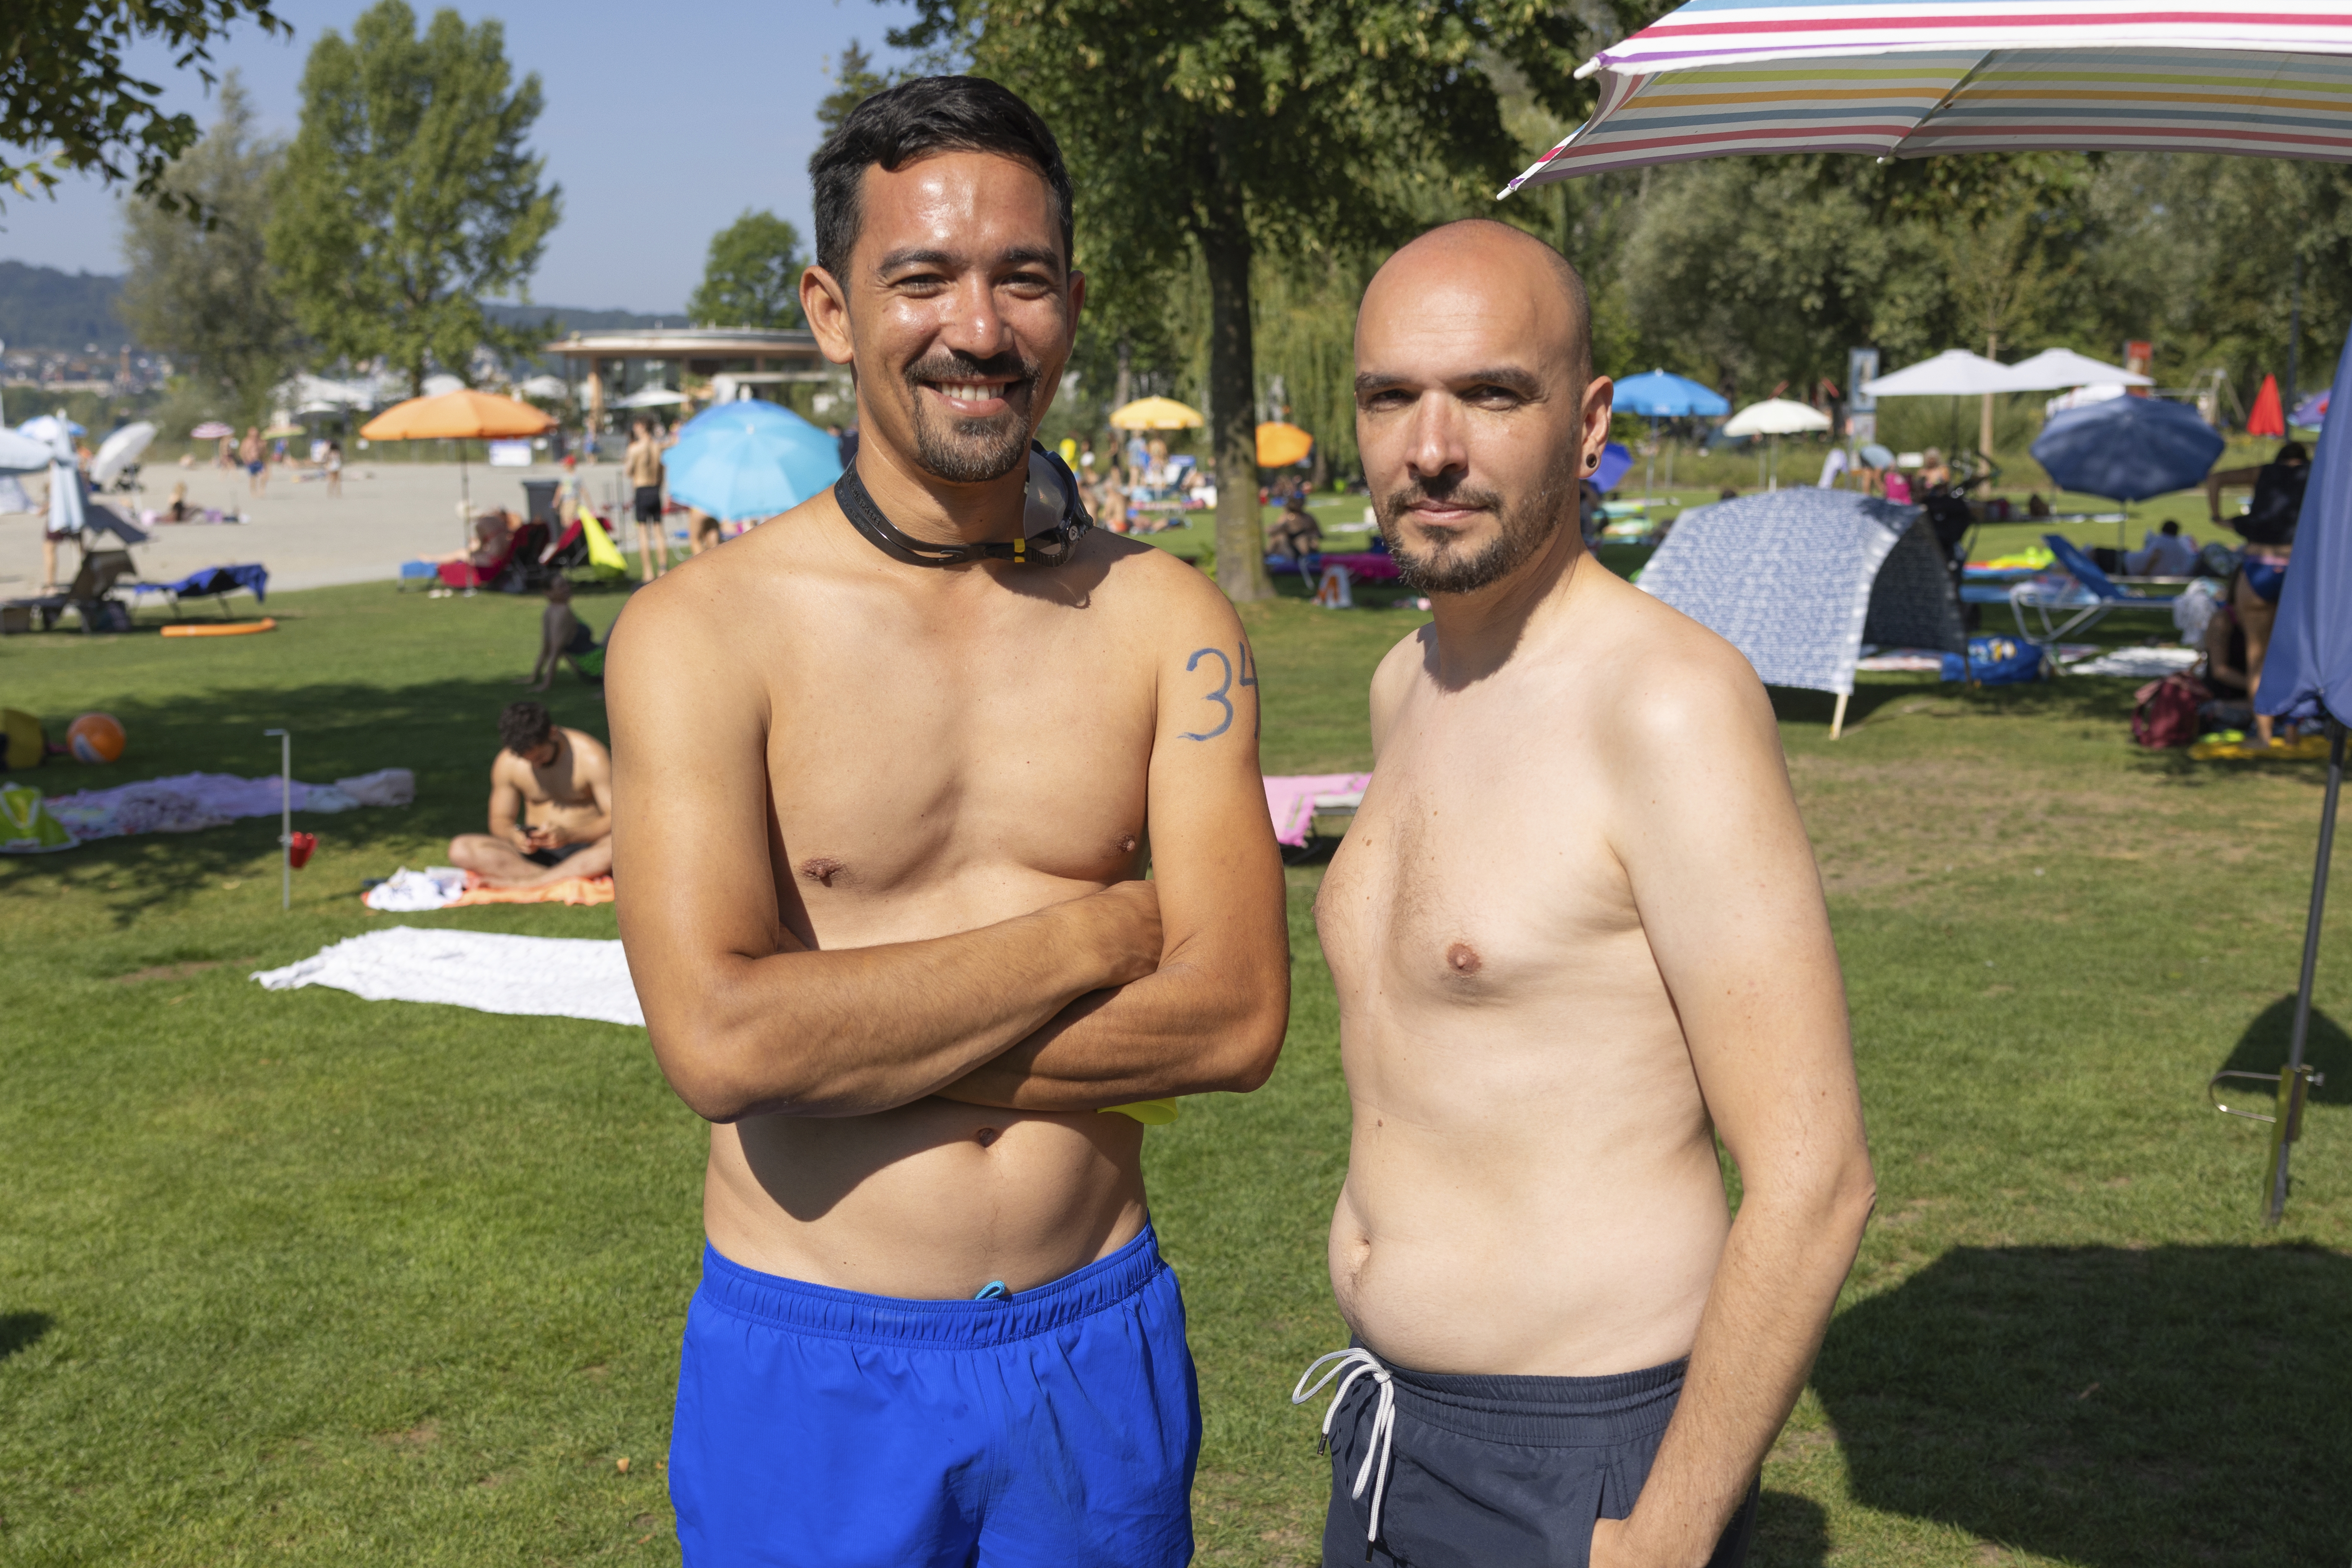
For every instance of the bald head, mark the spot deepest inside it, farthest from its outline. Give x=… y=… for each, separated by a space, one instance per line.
x=1491 y=259
x=1476 y=409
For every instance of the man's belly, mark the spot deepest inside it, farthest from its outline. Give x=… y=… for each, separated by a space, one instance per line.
x=930 y=1201
x=577 y=821
x=1524 y=1243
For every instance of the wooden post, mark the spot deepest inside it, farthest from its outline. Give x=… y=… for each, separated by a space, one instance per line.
x=1837 y=719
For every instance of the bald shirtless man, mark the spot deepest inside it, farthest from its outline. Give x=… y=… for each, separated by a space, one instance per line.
x=551 y=805
x=1578 y=935
x=890 y=770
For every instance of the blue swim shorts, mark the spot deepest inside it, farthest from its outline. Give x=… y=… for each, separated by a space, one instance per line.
x=820 y=1427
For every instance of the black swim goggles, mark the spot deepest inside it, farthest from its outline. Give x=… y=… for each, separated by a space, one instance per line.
x=1051 y=512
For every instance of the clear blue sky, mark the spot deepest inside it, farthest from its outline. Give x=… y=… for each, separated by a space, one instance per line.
x=663 y=123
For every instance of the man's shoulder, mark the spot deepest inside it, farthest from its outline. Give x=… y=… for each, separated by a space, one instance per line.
x=586 y=744
x=1155 y=587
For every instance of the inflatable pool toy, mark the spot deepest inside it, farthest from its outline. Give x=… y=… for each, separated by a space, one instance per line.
x=220 y=627
x=95 y=738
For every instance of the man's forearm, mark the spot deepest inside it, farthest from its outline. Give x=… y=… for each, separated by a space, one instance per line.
x=1190 y=1028
x=1782 y=1266
x=852 y=1031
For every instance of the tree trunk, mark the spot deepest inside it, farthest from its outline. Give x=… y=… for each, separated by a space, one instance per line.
x=1232 y=401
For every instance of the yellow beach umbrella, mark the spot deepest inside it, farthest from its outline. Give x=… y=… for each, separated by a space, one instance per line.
x=1155 y=414
x=1279 y=445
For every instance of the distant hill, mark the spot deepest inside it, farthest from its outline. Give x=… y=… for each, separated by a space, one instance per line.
x=43 y=308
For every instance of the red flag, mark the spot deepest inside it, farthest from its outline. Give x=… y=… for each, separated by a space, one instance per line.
x=2268 y=418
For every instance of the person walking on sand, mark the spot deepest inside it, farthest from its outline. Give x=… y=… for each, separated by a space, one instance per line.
x=334 y=464
x=1566 y=1350
x=248 y=452
x=642 y=466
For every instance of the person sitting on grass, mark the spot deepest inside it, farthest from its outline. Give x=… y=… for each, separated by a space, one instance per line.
x=564 y=635
x=1296 y=534
x=551 y=805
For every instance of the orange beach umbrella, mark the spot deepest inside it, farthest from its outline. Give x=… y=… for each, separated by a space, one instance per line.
x=1279 y=445
x=461 y=415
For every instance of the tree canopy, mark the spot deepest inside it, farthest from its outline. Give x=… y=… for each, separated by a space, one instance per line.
x=855 y=80
x=1220 y=130
x=208 y=291
x=409 y=196
x=63 y=87
x=752 y=275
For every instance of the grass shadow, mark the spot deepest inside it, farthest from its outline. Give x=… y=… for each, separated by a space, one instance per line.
x=1792 y=1532
x=2111 y=1407
x=19 y=1331
x=2263 y=1048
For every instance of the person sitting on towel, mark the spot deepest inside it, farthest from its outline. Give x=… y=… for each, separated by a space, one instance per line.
x=2169 y=553
x=564 y=635
x=551 y=805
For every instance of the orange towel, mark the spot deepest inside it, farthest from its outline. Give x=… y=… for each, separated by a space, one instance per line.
x=579 y=890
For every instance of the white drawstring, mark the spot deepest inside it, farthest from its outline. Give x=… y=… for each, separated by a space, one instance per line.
x=1355 y=1362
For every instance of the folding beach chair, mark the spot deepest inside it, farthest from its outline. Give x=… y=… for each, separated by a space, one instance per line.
x=90 y=595
x=2084 y=602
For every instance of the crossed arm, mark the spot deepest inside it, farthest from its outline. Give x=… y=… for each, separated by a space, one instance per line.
x=1175 y=985
x=1731 y=899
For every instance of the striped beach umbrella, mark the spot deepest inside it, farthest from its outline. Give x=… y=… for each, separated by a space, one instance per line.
x=1908 y=78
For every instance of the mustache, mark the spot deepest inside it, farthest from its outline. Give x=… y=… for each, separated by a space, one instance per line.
x=955 y=365
x=1452 y=492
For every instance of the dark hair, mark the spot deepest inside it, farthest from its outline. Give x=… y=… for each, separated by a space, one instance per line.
x=524 y=727
x=2171 y=527
x=912 y=120
x=2291 y=452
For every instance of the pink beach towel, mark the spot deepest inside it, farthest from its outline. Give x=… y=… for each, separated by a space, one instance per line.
x=1290 y=800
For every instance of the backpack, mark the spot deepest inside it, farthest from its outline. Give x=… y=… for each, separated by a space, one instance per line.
x=2167 y=714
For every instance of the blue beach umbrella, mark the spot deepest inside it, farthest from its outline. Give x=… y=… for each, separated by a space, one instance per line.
x=2128 y=448
x=1660 y=395
x=749 y=459
x=2308 y=673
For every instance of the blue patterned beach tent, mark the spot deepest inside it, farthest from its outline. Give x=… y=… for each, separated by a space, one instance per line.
x=1798 y=579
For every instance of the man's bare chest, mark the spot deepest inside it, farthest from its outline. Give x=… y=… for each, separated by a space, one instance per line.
x=921 y=761
x=1478 y=869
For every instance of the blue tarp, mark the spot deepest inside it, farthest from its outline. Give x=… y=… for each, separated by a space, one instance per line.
x=2310 y=661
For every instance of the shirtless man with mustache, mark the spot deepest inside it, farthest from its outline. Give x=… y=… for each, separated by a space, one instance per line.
x=889 y=772
x=1578 y=935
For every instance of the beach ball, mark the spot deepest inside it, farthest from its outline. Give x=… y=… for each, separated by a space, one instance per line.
x=95 y=738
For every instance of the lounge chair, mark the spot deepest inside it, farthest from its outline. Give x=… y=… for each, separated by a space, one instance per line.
x=91 y=596
x=2083 y=603
x=215 y=582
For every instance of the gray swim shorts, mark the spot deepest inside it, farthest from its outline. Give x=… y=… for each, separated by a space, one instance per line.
x=1495 y=1472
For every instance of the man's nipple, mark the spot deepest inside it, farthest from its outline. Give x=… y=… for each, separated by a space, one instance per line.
x=1462 y=958
x=819 y=869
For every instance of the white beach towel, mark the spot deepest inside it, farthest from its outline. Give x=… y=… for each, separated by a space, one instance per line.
x=556 y=976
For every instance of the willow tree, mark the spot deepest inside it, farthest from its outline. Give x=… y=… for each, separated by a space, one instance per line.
x=408 y=195
x=1234 y=129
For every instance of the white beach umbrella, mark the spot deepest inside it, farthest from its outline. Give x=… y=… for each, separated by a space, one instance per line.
x=1955 y=372
x=2055 y=369
x=1775 y=416
x=118 y=451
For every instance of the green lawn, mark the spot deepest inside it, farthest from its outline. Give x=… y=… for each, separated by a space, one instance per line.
x=295 y=1278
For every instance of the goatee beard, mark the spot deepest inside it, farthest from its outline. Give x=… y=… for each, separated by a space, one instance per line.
x=1524 y=526
x=971 y=451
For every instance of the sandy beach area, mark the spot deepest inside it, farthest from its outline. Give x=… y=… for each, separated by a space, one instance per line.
x=387 y=514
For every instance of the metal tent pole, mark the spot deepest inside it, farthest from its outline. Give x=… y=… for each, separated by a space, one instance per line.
x=284 y=815
x=2292 y=1078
